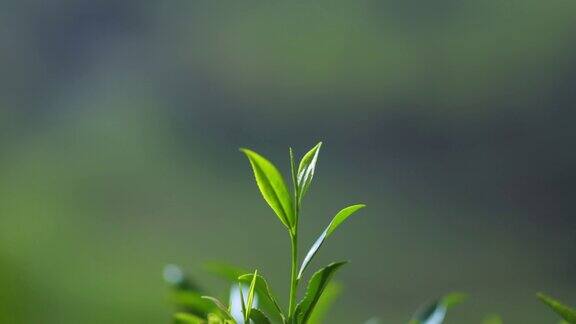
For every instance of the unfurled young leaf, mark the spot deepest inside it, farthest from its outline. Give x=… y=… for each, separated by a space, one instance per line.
x=264 y=293
x=306 y=170
x=314 y=291
x=250 y=297
x=567 y=313
x=273 y=188
x=220 y=306
x=436 y=311
x=258 y=317
x=340 y=217
x=294 y=174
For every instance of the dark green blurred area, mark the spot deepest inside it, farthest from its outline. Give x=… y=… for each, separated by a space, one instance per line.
x=120 y=123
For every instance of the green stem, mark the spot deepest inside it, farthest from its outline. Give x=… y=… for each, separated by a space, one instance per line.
x=294 y=243
x=294 y=275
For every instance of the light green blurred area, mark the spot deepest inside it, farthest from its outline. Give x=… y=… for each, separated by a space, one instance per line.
x=120 y=124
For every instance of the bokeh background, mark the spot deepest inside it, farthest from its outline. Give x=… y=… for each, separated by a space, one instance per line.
x=120 y=122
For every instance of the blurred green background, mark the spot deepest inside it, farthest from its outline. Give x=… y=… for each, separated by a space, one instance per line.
x=120 y=122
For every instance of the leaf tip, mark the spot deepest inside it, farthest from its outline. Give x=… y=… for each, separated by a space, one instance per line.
x=244 y=150
x=543 y=297
x=339 y=263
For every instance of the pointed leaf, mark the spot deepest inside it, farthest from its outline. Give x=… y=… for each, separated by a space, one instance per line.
x=331 y=292
x=306 y=170
x=220 y=305
x=567 y=313
x=250 y=296
x=340 y=217
x=436 y=311
x=293 y=174
x=316 y=287
x=258 y=317
x=264 y=293
x=272 y=187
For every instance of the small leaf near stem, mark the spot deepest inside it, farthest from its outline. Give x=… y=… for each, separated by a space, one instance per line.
x=340 y=217
x=331 y=293
x=314 y=291
x=250 y=297
x=263 y=291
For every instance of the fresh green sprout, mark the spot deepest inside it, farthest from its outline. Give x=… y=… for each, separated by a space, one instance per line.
x=286 y=204
x=261 y=305
x=287 y=207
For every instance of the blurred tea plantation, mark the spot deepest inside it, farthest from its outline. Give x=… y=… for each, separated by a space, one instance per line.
x=120 y=123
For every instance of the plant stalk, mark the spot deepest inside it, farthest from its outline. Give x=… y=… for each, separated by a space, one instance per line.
x=294 y=275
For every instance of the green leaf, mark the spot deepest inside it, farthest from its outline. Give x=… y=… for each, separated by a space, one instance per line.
x=567 y=313
x=306 y=170
x=250 y=297
x=331 y=292
x=265 y=295
x=258 y=317
x=436 y=311
x=340 y=217
x=316 y=287
x=185 y=318
x=220 y=306
x=272 y=187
